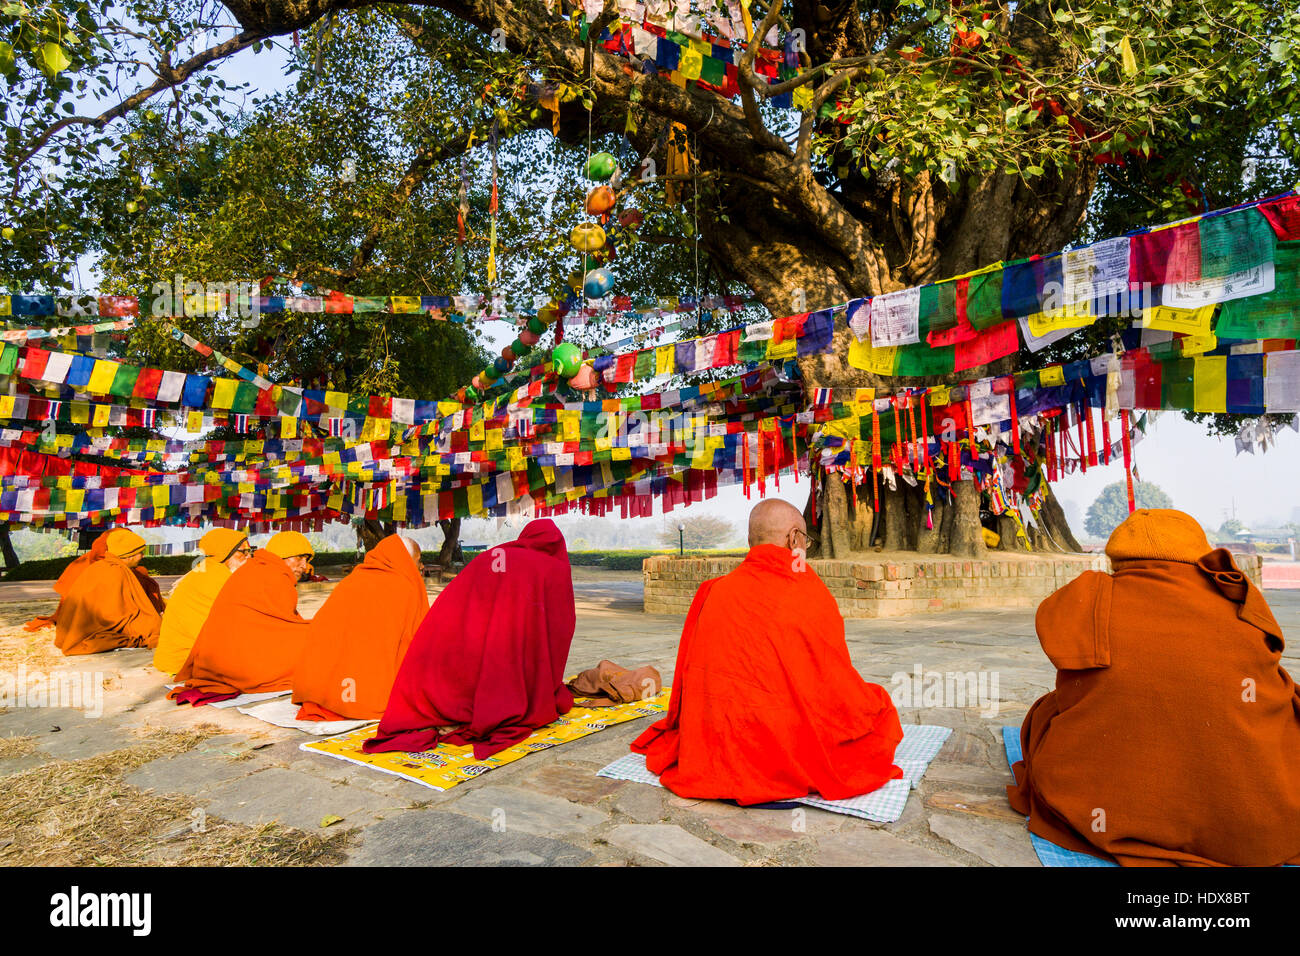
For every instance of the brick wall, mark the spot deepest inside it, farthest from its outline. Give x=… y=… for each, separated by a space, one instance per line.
x=865 y=588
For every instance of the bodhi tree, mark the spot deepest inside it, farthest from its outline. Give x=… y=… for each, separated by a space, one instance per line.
x=934 y=138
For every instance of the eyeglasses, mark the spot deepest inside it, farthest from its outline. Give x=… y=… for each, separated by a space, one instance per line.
x=809 y=537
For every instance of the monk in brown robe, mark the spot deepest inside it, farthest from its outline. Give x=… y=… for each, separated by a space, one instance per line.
x=108 y=605
x=360 y=635
x=253 y=636
x=1173 y=735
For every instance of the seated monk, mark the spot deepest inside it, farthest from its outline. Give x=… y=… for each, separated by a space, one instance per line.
x=486 y=666
x=765 y=704
x=1173 y=735
x=223 y=550
x=108 y=606
x=253 y=636
x=360 y=634
x=69 y=576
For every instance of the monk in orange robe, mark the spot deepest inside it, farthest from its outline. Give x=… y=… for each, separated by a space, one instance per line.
x=107 y=606
x=765 y=703
x=1173 y=735
x=253 y=636
x=224 y=550
x=360 y=634
x=69 y=576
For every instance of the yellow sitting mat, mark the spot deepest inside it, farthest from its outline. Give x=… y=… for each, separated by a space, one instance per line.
x=445 y=766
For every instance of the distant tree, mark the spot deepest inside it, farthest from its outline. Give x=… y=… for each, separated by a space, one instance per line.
x=1231 y=527
x=701 y=533
x=1111 y=507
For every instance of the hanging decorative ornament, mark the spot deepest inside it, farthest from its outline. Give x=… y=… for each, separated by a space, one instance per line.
x=500 y=366
x=536 y=325
x=528 y=338
x=566 y=359
x=601 y=166
x=631 y=218
x=597 y=283
x=519 y=347
x=584 y=378
x=509 y=355
x=549 y=313
x=587 y=237
x=600 y=201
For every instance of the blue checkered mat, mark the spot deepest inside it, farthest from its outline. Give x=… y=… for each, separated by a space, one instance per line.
x=1049 y=854
x=918 y=747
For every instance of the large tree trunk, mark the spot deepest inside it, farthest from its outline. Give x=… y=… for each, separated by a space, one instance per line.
x=449 y=553
x=7 y=547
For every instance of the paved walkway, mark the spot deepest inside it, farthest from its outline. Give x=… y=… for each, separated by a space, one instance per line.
x=551 y=808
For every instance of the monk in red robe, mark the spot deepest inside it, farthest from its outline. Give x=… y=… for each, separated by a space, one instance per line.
x=108 y=606
x=765 y=704
x=360 y=634
x=253 y=636
x=1173 y=735
x=486 y=666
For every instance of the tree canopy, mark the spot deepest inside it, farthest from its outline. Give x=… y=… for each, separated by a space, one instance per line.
x=1110 y=509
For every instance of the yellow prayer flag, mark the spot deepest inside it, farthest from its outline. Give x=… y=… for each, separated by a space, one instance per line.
x=1188 y=321
x=80 y=414
x=802 y=96
x=1052 y=375
x=100 y=418
x=783 y=350
x=665 y=359
x=1210 y=384
x=6 y=406
x=223 y=392
x=1198 y=344
x=690 y=63
x=74 y=501
x=495 y=439
x=5 y=308
x=867 y=357
x=101 y=376
x=1041 y=323
x=194 y=422
x=406 y=304
x=620 y=453
x=475 y=499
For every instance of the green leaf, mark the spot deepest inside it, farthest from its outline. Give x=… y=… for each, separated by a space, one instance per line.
x=52 y=59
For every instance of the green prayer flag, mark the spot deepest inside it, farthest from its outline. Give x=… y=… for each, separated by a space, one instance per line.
x=984 y=299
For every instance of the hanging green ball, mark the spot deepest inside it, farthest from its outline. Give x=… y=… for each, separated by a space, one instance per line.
x=601 y=166
x=566 y=359
x=471 y=393
x=536 y=325
x=519 y=348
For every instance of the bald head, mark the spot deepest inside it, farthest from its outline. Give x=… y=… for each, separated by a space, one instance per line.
x=772 y=522
x=412 y=549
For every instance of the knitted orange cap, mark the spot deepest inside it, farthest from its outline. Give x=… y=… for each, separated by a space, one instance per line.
x=1158 y=534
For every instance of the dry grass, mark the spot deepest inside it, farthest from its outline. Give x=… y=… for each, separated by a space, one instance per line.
x=34 y=648
x=81 y=813
x=11 y=747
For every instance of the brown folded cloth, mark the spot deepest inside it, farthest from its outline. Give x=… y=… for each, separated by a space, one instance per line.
x=609 y=684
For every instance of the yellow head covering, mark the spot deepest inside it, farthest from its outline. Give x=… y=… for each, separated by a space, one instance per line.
x=121 y=543
x=287 y=544
x=220 y=543
x=1158 y=534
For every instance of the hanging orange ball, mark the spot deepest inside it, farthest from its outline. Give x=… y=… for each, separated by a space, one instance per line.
x=600 y=201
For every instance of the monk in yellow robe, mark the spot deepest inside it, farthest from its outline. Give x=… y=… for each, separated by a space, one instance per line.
x=360 y=635
x=1173 y=734
x=224 y=550
x=108 y=605
x=253 y=636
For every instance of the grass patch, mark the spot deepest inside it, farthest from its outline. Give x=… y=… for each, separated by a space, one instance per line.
x=81 y=813
x=11 y=747
x=20 y=646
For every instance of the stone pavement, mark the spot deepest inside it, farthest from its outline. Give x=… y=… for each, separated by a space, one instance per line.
x=551 y=809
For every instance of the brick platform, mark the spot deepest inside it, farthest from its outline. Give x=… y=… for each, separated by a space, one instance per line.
x=883 y=585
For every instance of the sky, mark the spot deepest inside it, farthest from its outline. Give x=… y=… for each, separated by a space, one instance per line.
x=1204 y=476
